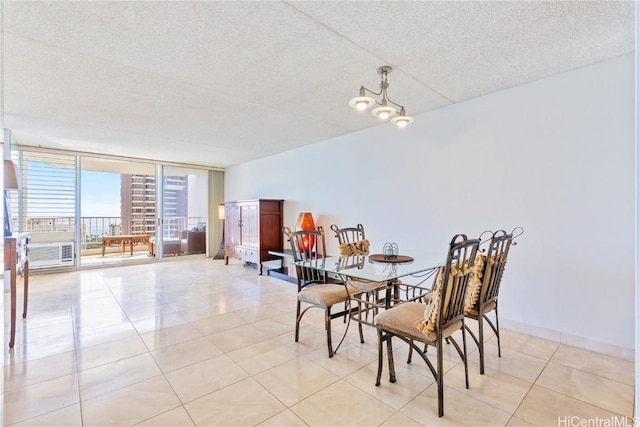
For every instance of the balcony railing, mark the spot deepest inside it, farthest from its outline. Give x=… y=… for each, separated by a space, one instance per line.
x=93 y=228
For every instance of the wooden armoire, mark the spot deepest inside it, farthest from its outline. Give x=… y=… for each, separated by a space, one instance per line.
x=252 y=229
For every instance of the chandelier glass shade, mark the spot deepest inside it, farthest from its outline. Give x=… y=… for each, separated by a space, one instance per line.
x=384 y=111
x=361 y=102
x=402 y=120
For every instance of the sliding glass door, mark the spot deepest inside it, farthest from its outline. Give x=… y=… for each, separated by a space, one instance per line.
x=183 y=223
x=118 y=211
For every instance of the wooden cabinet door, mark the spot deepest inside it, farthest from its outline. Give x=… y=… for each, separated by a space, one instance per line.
x=249 y=229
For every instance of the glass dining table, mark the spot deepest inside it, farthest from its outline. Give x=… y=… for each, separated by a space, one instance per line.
x=379 y=282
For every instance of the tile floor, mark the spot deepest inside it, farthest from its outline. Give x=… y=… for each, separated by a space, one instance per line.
x=116 y=258
x=194 y=342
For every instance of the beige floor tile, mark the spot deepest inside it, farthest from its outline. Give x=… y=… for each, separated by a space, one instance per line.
x=198 y=379
x=101 y=354
x=25 y=350
x=266 y=311
x=235 y=303
x=239 y=337
x=450 y=358
x=342 y=404
x=241 y=404
x=262 y=356
x=459 y=409
x=607 y=394
x=130 y=405
x=219 y=323
x=69 y=416
x=39 y=370
x=106 y=378
x=310 y=339
x=199 y=313
x=285 y=418
x=100 y=314
x=62 y=320
x=147 y=310
x=396 y=395
x=400 y=420
x=518 y=422
x=184 y=354
x=86 y=337
x=513 y=363
x=274 y=326
x=170 y=336
x=347 y=360
x=613 y=368
x=158 y=322
x=177 y=417
x=370 y=337
x=544 y=407
x=105 y=317
x=533 y=346
x=295 y=380
x=38 y=399
x=495 y=388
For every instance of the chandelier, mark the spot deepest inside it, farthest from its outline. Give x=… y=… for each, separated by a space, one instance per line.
x=384 y=111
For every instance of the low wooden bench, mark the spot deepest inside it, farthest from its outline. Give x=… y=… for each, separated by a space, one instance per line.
x=124 y=241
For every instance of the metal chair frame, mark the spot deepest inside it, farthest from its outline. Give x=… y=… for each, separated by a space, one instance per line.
x=461 y=250
x=309 y=245
x=369 y=300
x=497 y=252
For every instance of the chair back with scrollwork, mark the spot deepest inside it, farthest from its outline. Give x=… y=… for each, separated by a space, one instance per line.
x=446 y=306
x=456 y=275
x=351 y=240
x=307 y=246
x=495 y=262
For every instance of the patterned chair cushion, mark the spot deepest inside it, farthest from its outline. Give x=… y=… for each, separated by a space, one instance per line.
x=430 y=321
x=359 y=247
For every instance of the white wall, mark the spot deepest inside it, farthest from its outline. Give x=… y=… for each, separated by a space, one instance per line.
x=554 y=156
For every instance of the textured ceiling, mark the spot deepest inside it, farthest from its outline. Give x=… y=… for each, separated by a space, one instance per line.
x=221 y=83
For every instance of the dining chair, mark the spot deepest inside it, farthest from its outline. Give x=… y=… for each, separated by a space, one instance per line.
x=314 y=287
x=351 y=240
x=483 y=291
x=432 y=323
x=354 y=246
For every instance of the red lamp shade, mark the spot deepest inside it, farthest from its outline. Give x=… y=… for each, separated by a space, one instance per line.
x=306 y=222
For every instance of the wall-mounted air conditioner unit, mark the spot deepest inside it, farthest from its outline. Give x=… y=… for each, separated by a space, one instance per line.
x=49 y=255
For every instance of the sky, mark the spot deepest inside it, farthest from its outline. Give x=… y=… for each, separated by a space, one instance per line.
x=100 y=194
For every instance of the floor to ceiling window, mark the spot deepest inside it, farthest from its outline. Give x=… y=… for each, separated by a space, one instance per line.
x=90 y=211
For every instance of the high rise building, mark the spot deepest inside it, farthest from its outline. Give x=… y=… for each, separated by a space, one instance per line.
x=138 y=204
x=175 y=206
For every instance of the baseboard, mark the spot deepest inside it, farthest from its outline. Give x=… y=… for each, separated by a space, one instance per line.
x=568 y=339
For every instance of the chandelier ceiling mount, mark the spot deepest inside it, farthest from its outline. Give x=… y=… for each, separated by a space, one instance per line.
x=384 y=110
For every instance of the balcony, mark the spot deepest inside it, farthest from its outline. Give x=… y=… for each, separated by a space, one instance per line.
x=46 y=230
